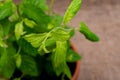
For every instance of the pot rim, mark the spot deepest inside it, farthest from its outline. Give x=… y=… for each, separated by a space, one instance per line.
x=77 y=68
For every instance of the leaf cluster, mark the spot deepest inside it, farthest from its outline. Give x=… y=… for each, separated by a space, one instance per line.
x=33 y=41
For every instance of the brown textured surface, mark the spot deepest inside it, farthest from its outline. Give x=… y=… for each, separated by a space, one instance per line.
x=101 y=61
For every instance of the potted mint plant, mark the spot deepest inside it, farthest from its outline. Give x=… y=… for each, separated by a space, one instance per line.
x=35 y=42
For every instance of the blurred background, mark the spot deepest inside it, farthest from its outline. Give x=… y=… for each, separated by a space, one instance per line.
x=101 y=61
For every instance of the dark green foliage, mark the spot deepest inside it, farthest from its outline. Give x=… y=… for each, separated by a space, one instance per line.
x=6 y=10
x=27 y=47
x=34 y=42
x=29 y=66
x=30 y=11
x=56 y=21
x=7 y=61
x=72 y=56
x=38 y=3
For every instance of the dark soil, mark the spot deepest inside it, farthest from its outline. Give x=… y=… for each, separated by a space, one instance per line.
x=45 y=76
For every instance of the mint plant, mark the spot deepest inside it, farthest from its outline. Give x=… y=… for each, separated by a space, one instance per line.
x=34 y=41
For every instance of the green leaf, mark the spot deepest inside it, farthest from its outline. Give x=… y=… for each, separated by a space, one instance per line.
x=2 y=44
x=7 y=62
x=3 y=59
x=59 y=57
x=7 y=26
x=50 y=44
x=29 y=66
x=41 y=40
x=18 y=60
x=29 y=23
x=72 y=10
x=38 y=40
x=72 y=56
x=72 y=31
x=14 y=17
x=1 y=31
x=88 y=33
x=6 y=10
x=67 y=71
x=7 y=0
x=61 y=34
x=35 y=39
x=42 y=49
x=36 y=14
x=17 y=79
x=56 y=21
x=27 y=47
x=19 y=30
x=38 y=3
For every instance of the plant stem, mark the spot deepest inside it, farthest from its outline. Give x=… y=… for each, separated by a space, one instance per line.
x=62 y=78
x=51 y=6
x=19 y=50
x=18 y=13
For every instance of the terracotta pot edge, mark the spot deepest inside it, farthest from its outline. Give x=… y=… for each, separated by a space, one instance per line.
x=77 y=69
